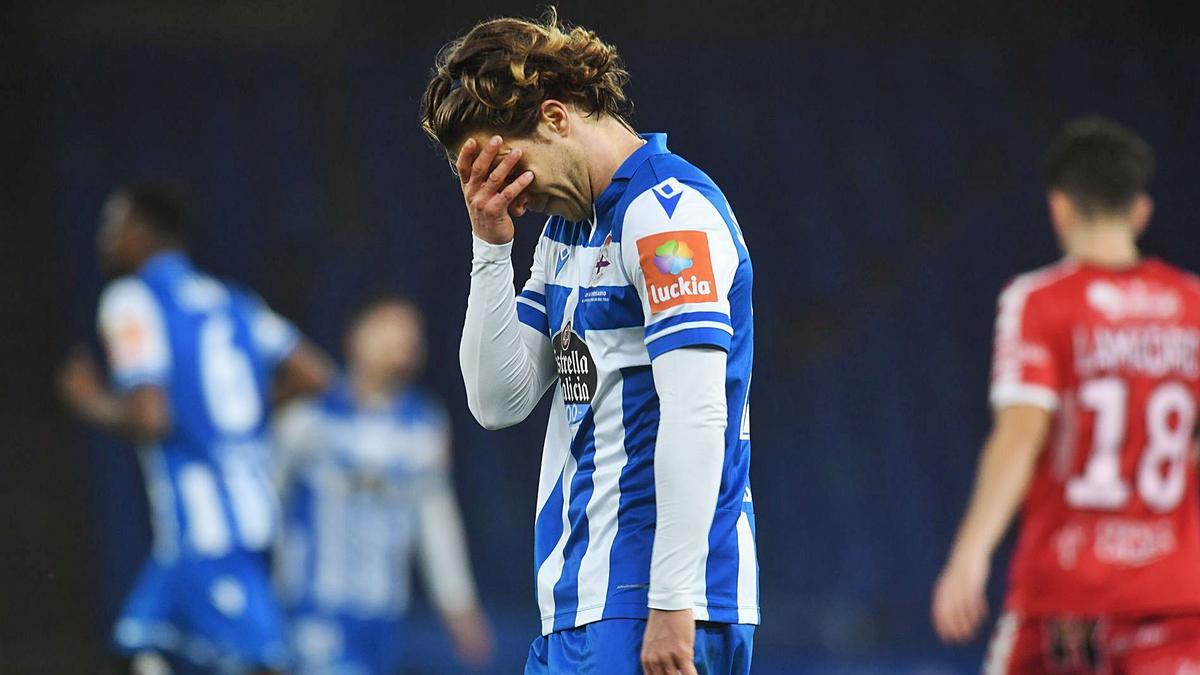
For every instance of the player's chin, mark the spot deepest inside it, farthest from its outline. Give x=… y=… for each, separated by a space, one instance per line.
x=544 y=205
x=572 y=213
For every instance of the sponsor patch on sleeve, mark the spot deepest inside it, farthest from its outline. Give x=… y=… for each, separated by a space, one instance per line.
x=678 y=269
x=129 y=346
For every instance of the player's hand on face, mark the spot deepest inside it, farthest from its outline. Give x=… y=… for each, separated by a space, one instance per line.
x=492 y=199
x=960 y=599
x=79 y=381
x=669 y=645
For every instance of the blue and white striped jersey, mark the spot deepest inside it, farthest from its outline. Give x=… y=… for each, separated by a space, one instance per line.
x=357 y=486
x=664 y=266
x=212 y=348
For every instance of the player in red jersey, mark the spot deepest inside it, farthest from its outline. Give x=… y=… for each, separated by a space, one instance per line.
x=1095 y=386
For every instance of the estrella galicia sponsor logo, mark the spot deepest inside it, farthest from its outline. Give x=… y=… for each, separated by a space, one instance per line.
x=577 y=375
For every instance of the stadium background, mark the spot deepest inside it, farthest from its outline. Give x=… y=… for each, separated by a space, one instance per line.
x=882 y=162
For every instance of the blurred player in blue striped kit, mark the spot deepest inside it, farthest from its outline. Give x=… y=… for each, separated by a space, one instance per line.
x=196 y=365
x=638 y=307
x=365 y=469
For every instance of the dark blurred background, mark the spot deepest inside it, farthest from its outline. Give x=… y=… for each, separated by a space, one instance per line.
x=881 y=160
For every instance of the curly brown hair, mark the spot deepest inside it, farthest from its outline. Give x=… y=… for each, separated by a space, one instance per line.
x=496 y=77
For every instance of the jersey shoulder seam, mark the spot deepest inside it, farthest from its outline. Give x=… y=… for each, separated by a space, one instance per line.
x=1191 y=280
x=1042 y=278
x=129 y=285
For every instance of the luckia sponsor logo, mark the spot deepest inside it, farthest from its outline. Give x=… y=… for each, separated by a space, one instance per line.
x=673 y=258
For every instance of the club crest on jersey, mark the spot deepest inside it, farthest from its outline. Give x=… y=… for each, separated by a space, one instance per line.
x=602 y=263
x=678 y=269
x=564 y=339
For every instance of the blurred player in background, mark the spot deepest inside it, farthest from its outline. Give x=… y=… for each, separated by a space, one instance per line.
x=367 y=488
x=196 y=364
x=638 y=305
x=1094 y=386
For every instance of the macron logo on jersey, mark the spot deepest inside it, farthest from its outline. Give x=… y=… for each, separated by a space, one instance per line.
x=678 y=269
x=562 y=261
x=668 y=193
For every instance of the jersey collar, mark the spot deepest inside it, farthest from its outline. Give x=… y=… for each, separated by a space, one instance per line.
x=165 y=264
x=656 y=144
x=339 y=397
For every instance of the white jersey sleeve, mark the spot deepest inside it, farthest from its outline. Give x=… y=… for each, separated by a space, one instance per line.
x=1025 y=367
x=296 y=435
x=274 y=336
x=680 y=255
x=442 y=550
x=688 y=456
x=506 y=357
x=134 y=333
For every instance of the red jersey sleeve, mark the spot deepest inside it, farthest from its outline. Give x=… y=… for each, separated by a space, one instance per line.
x=1025 y=365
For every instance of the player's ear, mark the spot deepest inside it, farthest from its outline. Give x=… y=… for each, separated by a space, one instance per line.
x=138 y=239
x=555 y=117
x=1062 y=210
x=1140 y=212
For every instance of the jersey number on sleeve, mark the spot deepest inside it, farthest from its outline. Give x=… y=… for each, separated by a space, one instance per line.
x=1161 y=472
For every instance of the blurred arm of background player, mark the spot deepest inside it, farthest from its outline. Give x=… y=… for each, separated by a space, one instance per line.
x=306 y=371
x=143 y=414
x=1005 y=469
x=445 y=567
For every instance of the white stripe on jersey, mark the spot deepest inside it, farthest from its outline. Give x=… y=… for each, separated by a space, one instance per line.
x=209 y=532
x=1001 y=649
x=252 y=503
x=619 y=347
x=747 y=582
x=551 y=570
x=691 y=324
x=162 y=503
x=555 y=450
x=526 y=301
x=329 y=515
x=602 y=508
x=1015 y=393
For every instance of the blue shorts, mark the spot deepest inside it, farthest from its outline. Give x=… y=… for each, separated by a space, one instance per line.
x=218 y=613
x=325 y=643
x=614 y=647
